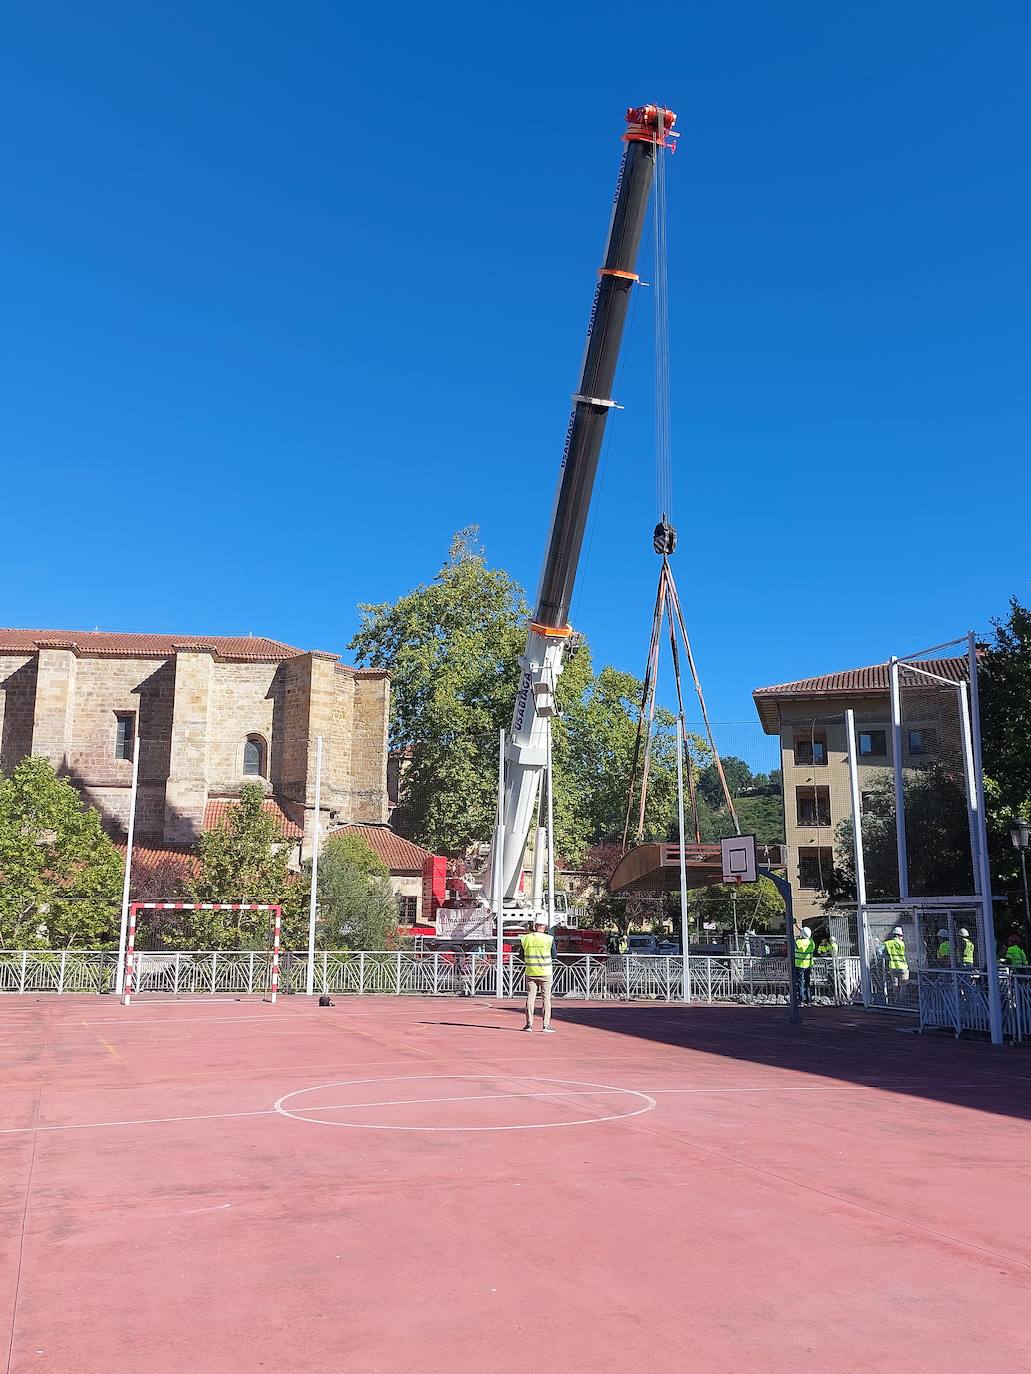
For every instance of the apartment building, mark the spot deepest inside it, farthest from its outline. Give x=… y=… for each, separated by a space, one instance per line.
x=808 y=716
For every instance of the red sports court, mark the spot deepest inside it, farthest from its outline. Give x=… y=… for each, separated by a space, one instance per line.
x=414 y=1185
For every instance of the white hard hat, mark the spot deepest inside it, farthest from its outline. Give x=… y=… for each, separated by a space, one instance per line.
x=963 y=931
x=897 y=930
x=540 y=919
x=943 y=934
x=806 y=931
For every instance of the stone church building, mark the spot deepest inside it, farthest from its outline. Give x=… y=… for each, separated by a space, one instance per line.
x=211 y=713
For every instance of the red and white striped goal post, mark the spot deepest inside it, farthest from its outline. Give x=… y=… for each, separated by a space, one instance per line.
x=130 y=943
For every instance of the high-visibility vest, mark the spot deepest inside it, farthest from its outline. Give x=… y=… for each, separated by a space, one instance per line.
x=827 y=949
x=537 y=954
x=895 y=949
x=966 y=953
x=804 y=952
x=945 y=951
x=1016 y=956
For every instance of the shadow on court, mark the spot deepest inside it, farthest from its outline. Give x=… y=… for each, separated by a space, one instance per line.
x=848 y=1044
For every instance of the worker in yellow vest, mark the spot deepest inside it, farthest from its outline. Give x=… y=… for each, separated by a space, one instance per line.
x=944 y=949
x=966 y=948
x=897 y=964
x=538 y=947
x=805 y=948
x=827 y=948
x=1015 y=956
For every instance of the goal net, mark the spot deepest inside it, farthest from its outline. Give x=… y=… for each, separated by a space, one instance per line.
x=179 y=948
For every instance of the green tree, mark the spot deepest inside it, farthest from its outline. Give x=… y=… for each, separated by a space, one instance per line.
x=759 y=906
x=243 y=860
x=737 y=773
x=937 y=833
x=595 y=759
x=452 y=648
x=1005 y=683
x=60 y=875
x=357 y=909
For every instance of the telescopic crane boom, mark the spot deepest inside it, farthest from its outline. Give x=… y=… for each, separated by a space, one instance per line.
x=649 y=127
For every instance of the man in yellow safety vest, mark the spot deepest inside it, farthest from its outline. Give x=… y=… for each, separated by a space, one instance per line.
x=897 y=964
x=1015 y=956
x=805 y=948
x=944 y=949
x=966 y=948
x=537 y=960
x=827 y=948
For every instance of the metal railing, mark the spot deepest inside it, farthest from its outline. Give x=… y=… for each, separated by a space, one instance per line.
x=957 y=1000
x=400 y=973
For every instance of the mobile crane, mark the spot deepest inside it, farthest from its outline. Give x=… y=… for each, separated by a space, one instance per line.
x=649 y=128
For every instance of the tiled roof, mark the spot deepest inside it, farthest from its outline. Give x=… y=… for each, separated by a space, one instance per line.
x=146 y=857
x=399 y=855
x=872 y=679
x=217 y=812
x=853 y=682
x=106 y=642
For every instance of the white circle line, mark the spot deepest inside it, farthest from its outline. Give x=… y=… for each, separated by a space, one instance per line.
x=649 y=1103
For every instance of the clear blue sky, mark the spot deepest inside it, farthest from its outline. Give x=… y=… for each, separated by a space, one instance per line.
x=292 y=292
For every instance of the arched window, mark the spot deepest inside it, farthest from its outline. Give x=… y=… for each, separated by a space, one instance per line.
x=254 y=756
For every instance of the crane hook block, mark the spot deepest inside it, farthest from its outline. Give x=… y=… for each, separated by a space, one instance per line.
x=664 y=539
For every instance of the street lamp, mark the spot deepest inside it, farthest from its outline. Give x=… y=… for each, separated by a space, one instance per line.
x=1019 y=833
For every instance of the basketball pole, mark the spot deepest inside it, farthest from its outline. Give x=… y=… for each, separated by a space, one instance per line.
x=124 y=924
x=313 y=902
x=685 y=956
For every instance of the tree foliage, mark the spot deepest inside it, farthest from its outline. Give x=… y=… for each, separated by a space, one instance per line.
x=243 y=860
x=937 y=834
x=60 y=875
x=759 y=906
x=1005 y=683
x=452 y=647
x=357 y=909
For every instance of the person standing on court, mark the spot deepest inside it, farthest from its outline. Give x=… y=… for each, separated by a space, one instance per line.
x=805 y=948
x=966 y=948
x=897 y=964
x=537 y=962
x=1015 y=956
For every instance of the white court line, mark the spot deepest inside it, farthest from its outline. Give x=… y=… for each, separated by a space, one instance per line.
x=466 y=1097
x=133 y=1121
x=588 y=1091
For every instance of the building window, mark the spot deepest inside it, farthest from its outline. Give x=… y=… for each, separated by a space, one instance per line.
x=408 y=908
x=921 y=742
x=810 y=750
x=254 y=757
x=813 y=805
x=814 y=869
x=125 y=730
x=873 y=744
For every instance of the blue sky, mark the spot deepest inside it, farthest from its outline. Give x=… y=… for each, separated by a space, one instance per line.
x=292 y=292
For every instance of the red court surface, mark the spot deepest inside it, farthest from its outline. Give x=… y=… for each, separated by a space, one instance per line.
x=416 y=1186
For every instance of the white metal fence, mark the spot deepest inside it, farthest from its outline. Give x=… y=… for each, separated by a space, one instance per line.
x=584 y=977
x=957 y=1000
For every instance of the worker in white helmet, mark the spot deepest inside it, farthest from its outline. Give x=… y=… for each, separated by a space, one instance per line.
x=966 y=949
x=896 y=965
x=537 y=968
x=805 y=948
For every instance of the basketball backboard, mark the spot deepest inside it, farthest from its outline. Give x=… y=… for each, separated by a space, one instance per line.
x=738 y=859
